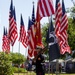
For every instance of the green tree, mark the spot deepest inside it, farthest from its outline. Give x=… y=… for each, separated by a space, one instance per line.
x=5 y=64
x=17 y=58
x=71 y=34
x=44 y=33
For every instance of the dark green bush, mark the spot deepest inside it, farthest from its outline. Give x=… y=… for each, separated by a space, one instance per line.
x=5 y=64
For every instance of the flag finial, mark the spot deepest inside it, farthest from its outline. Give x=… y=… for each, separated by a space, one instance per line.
x=33 y=2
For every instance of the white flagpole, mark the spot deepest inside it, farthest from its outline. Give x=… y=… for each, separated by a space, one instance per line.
x=12 y=49
x=24 y=62
x=18 y=57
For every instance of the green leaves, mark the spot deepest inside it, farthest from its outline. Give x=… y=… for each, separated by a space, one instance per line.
x=71 y=34
x=5 y=64
x=17 y=58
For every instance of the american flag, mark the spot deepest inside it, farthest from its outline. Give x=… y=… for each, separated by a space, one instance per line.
x=6 y=43
x=23 y=38
x=64 y=47
x=12 y=25
x=58 y=15
x=31 y=35
x=16 y=33
x=45 y=8
x=30 y=39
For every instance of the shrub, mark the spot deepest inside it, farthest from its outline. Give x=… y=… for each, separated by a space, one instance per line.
x=5 y=64
x=16 y=70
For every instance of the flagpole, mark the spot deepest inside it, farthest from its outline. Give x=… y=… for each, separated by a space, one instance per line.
x=57 y=67
x=12 y=49
x=18 y=57
x=24 y=62
x=49 y=19
x=48 y=49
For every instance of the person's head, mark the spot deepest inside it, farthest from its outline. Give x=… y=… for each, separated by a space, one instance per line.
x=38 y=48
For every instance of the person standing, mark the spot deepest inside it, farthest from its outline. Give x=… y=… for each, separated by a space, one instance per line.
x=39 y=63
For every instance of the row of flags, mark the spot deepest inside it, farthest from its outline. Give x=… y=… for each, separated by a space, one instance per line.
x=33 y=37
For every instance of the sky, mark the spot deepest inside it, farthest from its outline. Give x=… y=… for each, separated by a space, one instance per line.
x=23 y=7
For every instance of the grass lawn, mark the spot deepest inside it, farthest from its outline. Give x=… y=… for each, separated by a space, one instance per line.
x=32 y=73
